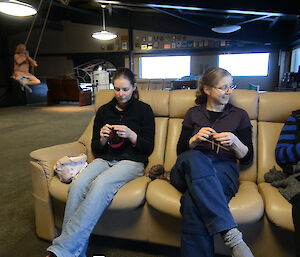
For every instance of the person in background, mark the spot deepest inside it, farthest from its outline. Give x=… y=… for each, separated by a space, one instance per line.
x=287 y=154
x=215 y=134
x=22 y=61
x=123 y=138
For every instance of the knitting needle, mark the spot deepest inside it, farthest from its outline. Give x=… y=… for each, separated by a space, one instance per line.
x=212 y=142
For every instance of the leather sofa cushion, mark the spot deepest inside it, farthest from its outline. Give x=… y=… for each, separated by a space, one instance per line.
x=267 y=139
x=247 y=205
x=278 y=209
x=277 y=106
x=157 y=156
x=158 y=100
x=86 y=139
x=250 y=173
x=182 y=100
x=247 y=100
x=174 y=129
x=130 y=196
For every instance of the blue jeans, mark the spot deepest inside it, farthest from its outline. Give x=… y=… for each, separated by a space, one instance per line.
x=208 y=186
x=89 y=195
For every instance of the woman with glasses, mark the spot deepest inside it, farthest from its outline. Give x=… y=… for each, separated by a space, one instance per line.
x=215 y=134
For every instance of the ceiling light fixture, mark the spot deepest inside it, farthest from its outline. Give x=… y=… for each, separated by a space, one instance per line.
x=224 y=29
x=104 y=35
x=17 y=8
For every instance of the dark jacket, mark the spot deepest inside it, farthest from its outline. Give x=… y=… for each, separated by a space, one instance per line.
x=137 y=116
x=232 y=119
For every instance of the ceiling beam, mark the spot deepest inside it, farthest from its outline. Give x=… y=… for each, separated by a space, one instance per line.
x=193 y=8
x=180 y=17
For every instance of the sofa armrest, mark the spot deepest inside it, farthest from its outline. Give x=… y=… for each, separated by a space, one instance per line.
x=41 y=170
x=47 y=157
x=278 y=209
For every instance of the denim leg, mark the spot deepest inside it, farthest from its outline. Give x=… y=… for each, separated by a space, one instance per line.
x=195 y=244
x=80 y=186
x=81 y=222
x=204 y=205
x=84 y=249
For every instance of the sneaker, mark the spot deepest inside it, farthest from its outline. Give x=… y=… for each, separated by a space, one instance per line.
x=51 y=255
x=24 y=80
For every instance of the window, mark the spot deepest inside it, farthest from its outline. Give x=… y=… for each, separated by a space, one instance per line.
x=295 y=62
x=254 y=64
x=165 y=67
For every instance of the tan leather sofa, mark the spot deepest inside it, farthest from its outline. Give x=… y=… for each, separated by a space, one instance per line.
x=149 y=211
x=154 y=84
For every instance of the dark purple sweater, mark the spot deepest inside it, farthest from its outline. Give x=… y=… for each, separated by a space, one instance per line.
x=232 y=119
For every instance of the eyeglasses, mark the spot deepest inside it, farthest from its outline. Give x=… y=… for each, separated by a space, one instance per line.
x=226 y=87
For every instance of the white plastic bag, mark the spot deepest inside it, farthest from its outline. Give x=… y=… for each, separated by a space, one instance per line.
x=68 y=168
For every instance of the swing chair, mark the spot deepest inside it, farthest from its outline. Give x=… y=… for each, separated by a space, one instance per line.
x=25 y=79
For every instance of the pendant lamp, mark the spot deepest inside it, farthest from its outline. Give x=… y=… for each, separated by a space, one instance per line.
x=224 y=29
x=104 y=35
x=17 y=8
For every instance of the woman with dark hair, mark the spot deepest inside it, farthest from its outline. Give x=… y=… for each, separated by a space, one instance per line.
x=123 y=138
x=215 y=134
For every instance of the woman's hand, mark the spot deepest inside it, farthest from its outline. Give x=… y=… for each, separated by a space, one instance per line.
x=202 y=135
x=125 y=132
x=232 y=141
x=104 y=133
x=225 y=138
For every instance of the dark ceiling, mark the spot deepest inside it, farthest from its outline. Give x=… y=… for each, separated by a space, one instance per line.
x=276 y=23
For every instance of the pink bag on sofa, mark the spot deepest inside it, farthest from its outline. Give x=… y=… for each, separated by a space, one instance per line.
x=68 y=168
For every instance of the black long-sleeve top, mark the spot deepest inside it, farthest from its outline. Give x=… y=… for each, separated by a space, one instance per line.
x=138 y=116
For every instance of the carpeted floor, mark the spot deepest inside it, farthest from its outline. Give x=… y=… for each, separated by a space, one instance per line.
x=22 y=130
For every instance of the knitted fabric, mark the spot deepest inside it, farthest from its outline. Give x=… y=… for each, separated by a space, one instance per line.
x=288 y=185
x=158 y=172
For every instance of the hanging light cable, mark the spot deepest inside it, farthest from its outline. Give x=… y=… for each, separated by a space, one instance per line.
x=104 y=34
x=17 y=8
